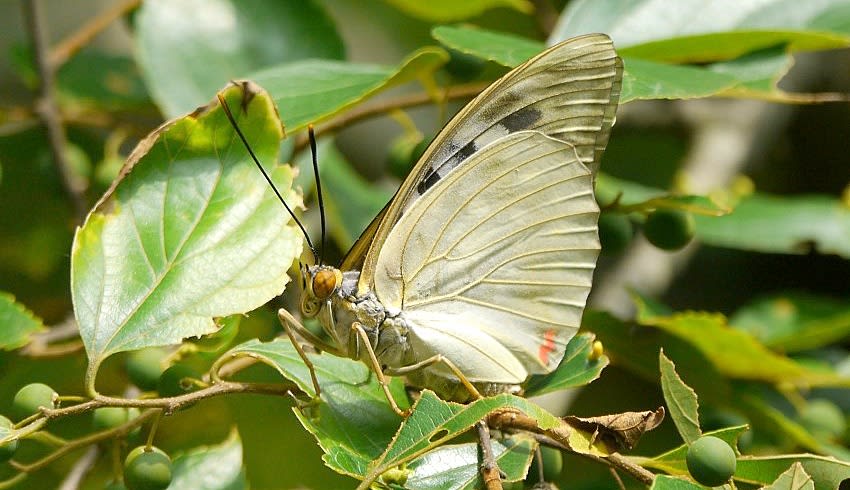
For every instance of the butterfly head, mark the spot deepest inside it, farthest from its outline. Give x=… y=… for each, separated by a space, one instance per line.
x=320 y=283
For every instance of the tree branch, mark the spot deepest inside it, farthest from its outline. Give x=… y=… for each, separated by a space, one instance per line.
x=68 y=47
x=47 y=109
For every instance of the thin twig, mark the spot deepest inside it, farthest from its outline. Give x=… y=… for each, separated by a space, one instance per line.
x=555 y=438
x=47 y=109
x=489 y=468
x=382 y=107
x=64 y=50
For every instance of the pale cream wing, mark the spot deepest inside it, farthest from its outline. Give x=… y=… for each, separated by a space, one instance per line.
x=503 y=248
x=568 y=92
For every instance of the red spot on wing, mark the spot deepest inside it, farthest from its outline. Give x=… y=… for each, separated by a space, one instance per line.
x=547 y=346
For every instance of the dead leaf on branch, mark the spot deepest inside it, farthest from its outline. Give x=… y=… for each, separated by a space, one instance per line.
x=622 y=430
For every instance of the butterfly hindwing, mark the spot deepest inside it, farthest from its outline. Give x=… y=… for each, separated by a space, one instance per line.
x=500 y=252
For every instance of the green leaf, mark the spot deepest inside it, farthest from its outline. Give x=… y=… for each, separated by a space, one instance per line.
x=681 y=400
x=434 y=422
x=17 y=323
x=576 y=368
x=353 y=422
x=636 y=350
x=795 y=478
x=457 y=467
x=642 y=79
x=188 y=51
x=737 y=354
x=674 y=461
x=450 y=10
x=313 y=90
x=664 y=482
x=695 y=18
x=506 y=49
x=795 y=321
x=192 y=232
x=632 y=197
x=721 y=46
x=773 y=224
x=211 y=467
x=827 y=473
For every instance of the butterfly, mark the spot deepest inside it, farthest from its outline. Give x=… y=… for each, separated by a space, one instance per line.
x=476 y=274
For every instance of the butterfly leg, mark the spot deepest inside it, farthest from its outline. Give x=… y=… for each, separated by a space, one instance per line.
x=291 y=325
x=436 y=360
x=376 y=367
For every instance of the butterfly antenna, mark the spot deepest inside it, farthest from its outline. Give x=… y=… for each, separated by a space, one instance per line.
x=266 y=175
x=312 y=138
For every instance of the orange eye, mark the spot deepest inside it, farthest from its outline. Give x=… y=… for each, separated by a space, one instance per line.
x=325 y=283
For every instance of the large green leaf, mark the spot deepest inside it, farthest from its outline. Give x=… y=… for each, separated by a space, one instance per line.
x=451 y=10
x=211 y=467
x=17 y=323
x=577 y=368
x=352 y=422
x=794 y=321
x=681 y=400
x=737 y=354
x=458 y=467
x=191 y=232
x=787 y=224
x=659 y=20
x=312 y=90
x=636 y=349
x=188 y=49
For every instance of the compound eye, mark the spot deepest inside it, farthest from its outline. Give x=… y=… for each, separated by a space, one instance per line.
x=325 y=283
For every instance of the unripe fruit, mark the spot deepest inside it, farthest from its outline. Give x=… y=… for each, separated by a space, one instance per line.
x=7 y=451
x=144 y=368
x=29 y=398
x=711 y=461
x=669 y=229
x=173 y=381
x=109 y=418
x=823 y=419
x=147 y=469
x=615 y=232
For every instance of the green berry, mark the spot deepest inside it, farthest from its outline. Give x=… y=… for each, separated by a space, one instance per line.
x=7 y=451
x=174 y=381
x=147 y=469
x=615 y=232
x=144 y=368
x=669 y=229
x=109 y=418
x=711 y=461
x=823 y=419
x=29 y=398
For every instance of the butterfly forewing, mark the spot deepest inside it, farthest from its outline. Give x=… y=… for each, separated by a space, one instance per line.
x=568 y=92
x=494 y=264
